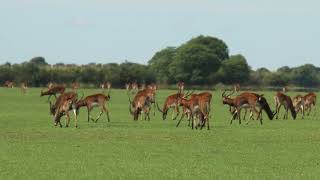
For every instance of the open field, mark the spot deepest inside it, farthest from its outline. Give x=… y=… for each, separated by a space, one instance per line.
x=31 y=148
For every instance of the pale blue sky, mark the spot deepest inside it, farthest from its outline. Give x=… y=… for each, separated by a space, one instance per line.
x=269 y=33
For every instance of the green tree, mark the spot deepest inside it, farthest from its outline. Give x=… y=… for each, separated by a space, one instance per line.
x=235 y=70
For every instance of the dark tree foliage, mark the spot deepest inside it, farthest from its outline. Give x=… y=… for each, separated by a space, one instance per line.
x=203 y=60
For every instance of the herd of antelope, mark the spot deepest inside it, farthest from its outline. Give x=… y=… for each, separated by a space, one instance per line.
x=195 y=107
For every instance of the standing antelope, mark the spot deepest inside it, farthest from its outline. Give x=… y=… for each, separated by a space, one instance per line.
x=64 y=103
x=9 y=84
x=75 y=86
x=96 y=100
x=236 y=88
x=24 y=87
x=310 y=100
x=199 y=106
x=141 y=103
x=284 y=100
x=285 y=89
x=180 y=86
x=106 y=85
x=128 y=86
x=53 y=91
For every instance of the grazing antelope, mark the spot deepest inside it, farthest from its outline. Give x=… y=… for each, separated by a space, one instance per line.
x=75 y=86
x=298 y=104
x=135 y=86
x=140 y=103
x=236 y=88
x=24 y=87
x=96 y=100
x=64 y=103
x=284 y=100
x=53 y=91
x=310 y=100
x=200 y=107
x=250 y=101
x=9 y=84
x=172 y=102
x=150 y=93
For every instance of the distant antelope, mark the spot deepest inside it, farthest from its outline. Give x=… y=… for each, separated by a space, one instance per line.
x=284 y=100
x=75 y=86
x=236 y=87
x=106 y=85
x=96 y=100
x=9 y=84
x=128 y=86
x=180 y=86
x=53 y=91
x=285 y=89
x=134 y=86
x=24 y=87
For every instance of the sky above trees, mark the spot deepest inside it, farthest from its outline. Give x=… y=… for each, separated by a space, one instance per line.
x=268 y=33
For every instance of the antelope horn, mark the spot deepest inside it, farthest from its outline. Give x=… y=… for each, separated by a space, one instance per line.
x=231 y=93
x=224 y=93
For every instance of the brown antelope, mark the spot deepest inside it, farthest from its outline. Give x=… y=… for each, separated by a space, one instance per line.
x=24 y=87
x=236 y=88
x=310 y=100
x=284 y=100
x=135 y=86
x=75 y=86
x=180 y=87
x=248 y=100
x=172 y=102
x=141 y=103
x=53 y=91
x=150 y=93
x=257 y=100
x=9 y=84
x=298 y=104
x=285 y=89
x=202 y=101
x=64 y=103
x=96 y=100
x=106 y=85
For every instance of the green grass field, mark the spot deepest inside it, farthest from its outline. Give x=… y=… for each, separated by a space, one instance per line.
x=32 y=148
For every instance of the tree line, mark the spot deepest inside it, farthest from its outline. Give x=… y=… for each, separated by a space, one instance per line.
x=203 y=60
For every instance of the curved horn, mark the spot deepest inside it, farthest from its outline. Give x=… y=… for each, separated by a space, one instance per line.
x=224 y=93
x=231 y=93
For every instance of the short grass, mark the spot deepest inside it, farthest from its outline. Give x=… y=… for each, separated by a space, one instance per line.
x=31 y=148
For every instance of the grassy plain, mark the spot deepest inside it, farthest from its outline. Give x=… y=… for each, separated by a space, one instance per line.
x=31 y=148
